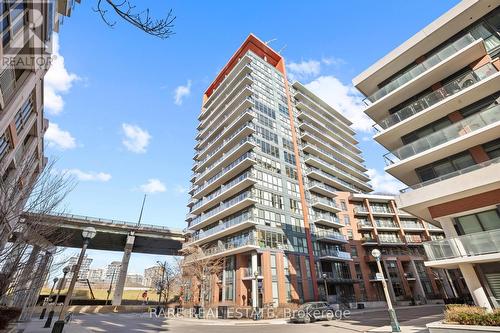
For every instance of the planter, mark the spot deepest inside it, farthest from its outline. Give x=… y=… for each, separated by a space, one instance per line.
x=439 y=327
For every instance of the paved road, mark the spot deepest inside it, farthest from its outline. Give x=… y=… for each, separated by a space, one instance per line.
x=358 y=322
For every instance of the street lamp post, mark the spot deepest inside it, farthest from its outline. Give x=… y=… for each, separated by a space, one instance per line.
x=110 y=286
x=87 y=234
x=392 y=314
x=42 y=315
x=256 y=300
x=48 y=323
x=326 y=286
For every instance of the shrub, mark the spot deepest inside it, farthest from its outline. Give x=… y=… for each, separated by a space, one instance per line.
x=8 y=314
x=471 y=315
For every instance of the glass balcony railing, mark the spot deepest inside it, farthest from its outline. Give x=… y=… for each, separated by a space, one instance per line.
x=360 y=210
x=236 y=220
x=224 y=143
x=411 y=225
x=333 y=178
x=224 y=156
x=378 y=209
x=223 y=188
x=250 y=240
x=365 y=224
x=389 y=239
x=386 y=224
x=452 y=174
x=327 y=217
x=470 y=245
x=210 y=181
x=334 y=253
x=449 y=89
x=414 y=239
x=249 y=272
x=341 y=142
x=324 y=201
x=223 y=206
x=321 y=185
x=456 y=130
x=416 y=70
x=320 y=233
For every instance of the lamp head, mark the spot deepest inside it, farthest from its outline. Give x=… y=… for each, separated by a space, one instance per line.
x=324 y=275
x=89 y=233
x=376 y=253
x=256 y=274
x=55 y=280
x=66 y=269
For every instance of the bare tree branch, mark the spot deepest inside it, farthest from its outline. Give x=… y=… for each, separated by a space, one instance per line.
x=161 y=28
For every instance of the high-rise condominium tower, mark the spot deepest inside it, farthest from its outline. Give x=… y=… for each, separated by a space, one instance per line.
x=269 y=158
x=435 y=100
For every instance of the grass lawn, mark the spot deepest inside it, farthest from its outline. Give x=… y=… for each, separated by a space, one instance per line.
x=102 y=293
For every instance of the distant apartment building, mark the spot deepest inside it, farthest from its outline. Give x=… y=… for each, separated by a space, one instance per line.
x=84 y=268
x=435 y=101
x=134 y=280
x=152 y=276
x=97 y=274
x=26 y=32
x=113 y=270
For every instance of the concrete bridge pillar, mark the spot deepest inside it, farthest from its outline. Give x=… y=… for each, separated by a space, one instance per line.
x=122 y=276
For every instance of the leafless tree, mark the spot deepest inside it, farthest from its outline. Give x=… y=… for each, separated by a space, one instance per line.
x=161 y=28
x=27 y=194
x=169 y=284
x=199 y=267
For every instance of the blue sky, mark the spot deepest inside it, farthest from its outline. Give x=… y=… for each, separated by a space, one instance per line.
x=123 y=105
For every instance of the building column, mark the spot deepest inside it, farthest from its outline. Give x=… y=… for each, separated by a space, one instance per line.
x=255 y=294
x=420 y=289
x=122 y=277
x=474 y=285
x=389 y=281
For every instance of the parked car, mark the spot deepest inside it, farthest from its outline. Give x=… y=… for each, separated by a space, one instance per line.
x=312 y=311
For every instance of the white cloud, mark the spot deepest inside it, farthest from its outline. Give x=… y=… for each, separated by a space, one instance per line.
x=57 y=81
x=58 y=138
x=384 y=183
x=136 y=139
x=344 y=98
x=333 y=61
x=153 y=185
x=181 y=92
x=304 y=69
x=181 y=189
x=89 y=176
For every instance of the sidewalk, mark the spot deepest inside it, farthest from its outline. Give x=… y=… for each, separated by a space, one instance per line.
x=36 y=326
x=231 y=322
x=411 y=326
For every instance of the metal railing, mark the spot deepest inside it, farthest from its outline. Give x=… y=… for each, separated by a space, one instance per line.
x=234 y=244
x=327 y=217
x=415 y=71
x=452 y=174
x=462 y=82
x=470 y=124
x=333 y=178
x=475 y=244
x=336 y=254
x=324 y=201
x=236 y=220
x=324 y=186
x=329 y=234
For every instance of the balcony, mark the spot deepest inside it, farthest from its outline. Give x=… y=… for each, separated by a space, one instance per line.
x=241 y=69
x=360 y=210
x=233 y=247
x=325 y=204
x=463 y=129
x=310 y=138
x=412 y=225
x=235 y=95
x=378 y=210
x=385 y=225
x=228 y=157
x=241 y=102
x=335 y=277
x=307 y=114
x=437 y=104
x=330 y=236
x=326 y=219
x=236 y=167
x=475 y=179
x=228 y=227
x=365 y=225
x=435 y=68
x=241 y=133
x=384 y=240
x=225 y=191
x=368 y=241
x=336 y=141
x=433 y=228
x=325 y=254
x=413 y=239
x=331 y=180
x=227 y=208
x=248 y=273
x=332 y=160
x=480 y=247
x=323 y=189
